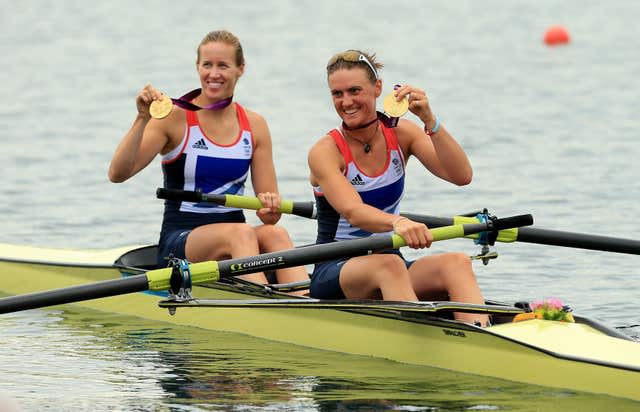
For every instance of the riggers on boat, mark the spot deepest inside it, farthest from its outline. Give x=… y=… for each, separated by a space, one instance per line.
x=582 y=356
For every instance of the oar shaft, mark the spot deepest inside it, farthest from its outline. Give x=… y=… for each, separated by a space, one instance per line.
x=137 y=283
x=308 y=255
x=579 y=240
x=545 y=236
x=303 y=209
x=430 y=221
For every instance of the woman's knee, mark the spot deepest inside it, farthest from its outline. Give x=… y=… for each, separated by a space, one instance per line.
x=459 y=268
x=459 y=260
x=391 y=267
x=276 y=231
x=221 y=241
x=243 y=233
x=273 y=237
x=243 y=241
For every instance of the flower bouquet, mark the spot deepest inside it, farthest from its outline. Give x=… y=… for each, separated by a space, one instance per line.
x=550 y=309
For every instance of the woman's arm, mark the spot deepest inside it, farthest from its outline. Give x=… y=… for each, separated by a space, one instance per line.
x=145 y=139
x=263 y=173
x=440 y=153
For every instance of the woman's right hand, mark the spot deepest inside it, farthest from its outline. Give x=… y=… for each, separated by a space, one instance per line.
x=269 y=214
x=144 y=98
x=416 y=235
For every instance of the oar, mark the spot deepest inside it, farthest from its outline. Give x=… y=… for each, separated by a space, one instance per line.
x=303 y=209
x=528 y=234
x=160 y=279
x=542 y=236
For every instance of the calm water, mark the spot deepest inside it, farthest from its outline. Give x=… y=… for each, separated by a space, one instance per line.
x=550 y=131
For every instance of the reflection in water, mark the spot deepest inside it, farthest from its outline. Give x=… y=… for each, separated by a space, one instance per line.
x=100 y=361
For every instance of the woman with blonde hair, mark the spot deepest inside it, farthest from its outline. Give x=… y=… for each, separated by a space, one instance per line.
x=209 y=142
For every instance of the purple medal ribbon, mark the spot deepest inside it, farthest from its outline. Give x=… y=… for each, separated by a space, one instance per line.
x=388 y=120
x=185 y=102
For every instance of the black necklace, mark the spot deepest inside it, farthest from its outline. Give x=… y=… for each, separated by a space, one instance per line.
x=362 y=126
x=383 y=117
x=365 y=145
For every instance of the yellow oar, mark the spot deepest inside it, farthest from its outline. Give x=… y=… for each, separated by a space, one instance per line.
x=161 y=279
x=303 y=209
x=528 y=235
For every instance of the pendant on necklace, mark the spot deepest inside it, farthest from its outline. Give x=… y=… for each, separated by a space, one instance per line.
x=367 y=147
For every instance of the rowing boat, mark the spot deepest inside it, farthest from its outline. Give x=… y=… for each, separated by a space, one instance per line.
x=582 y=356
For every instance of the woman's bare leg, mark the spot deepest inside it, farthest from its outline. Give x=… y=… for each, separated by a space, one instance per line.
x=224 y=241
x=448 y=275
x=273 y=238
x=377 y=276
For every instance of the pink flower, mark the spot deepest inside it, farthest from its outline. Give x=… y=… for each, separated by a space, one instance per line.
x=555 y=303
x=551 y=309
x=552 y=303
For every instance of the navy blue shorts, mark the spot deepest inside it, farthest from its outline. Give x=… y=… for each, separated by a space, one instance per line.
x=325 y=280
x=172 y=244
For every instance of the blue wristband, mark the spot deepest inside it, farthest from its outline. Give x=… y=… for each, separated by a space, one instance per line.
x=430 y=132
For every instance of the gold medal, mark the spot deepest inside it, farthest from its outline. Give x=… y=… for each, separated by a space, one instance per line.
x=160 y=109
x=395 y=108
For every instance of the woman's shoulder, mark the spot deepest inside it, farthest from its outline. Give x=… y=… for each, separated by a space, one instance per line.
x=323 y=146
x=257 y=123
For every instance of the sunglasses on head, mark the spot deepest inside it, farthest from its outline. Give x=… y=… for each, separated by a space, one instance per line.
x=352 y=56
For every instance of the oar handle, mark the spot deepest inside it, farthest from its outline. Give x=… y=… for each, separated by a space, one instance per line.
x=195 y=196
x=303 y=209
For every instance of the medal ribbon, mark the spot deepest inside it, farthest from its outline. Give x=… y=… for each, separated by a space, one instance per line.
x=388 y=120
x=185 y=102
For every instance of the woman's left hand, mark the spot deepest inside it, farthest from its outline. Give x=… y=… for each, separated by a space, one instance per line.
x=418 y=102
x=269 y=213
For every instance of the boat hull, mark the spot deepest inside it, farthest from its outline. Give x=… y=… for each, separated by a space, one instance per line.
x=571 y=356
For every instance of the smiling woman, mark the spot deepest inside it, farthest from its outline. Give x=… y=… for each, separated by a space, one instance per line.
x=358 y=173
x=210 y=144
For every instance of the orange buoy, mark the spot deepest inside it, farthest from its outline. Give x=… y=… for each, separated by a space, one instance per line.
x=556 y=35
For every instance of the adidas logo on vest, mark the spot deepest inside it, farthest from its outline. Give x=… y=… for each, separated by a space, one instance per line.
x=357 y=181
x=200 y=144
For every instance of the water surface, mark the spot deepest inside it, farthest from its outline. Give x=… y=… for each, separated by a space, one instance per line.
x=549 y=131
